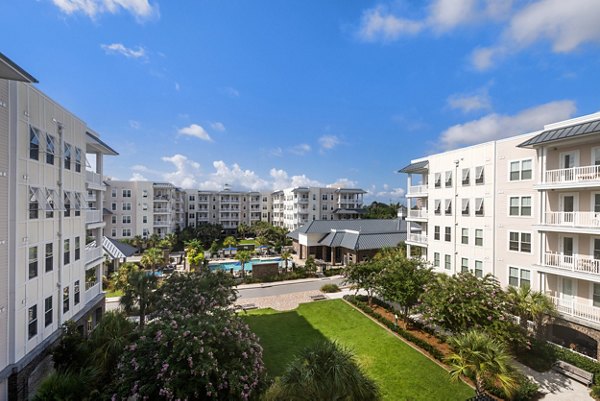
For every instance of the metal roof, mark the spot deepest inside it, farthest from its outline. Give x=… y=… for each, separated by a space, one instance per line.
x=113 y=248
x=11 y=71
x=557 y=134
x=363 y=226
x=350 y=191
x=358 y=241
x=349 y=211
x=97 y=144
x=415 y=167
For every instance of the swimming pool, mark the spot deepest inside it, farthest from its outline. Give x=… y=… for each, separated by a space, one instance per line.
x=237 y=266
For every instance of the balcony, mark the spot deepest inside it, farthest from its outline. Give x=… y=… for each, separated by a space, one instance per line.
x=162 y=223
x=418 y=214
x=417 y=239
x=417 y=191
x=571 y=221
x=94 y=180
x=163 y=210
x=581 y=264
x=581 y=311
x=575 y=177
x=93 y=216
x=92 y=255
x=92 y=290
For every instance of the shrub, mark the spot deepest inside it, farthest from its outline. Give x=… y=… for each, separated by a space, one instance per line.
x=526 y=390
x=330 y=288
x=334 y=271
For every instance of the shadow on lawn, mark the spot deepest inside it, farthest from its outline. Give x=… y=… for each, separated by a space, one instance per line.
x=282 y=336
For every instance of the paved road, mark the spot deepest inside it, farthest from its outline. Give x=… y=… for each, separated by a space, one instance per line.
x=287 y=288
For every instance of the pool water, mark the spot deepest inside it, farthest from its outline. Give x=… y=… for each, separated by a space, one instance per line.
x=237 y=266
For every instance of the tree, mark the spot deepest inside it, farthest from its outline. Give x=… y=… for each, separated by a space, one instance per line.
x=152 y=258
x=153 y=240
x=324 y=371
x=364 y=276
x=139 y=295
x=243 y=229
x=403 y=280
x=214 y=248
x=531 y=305
x=71 y=385
x=244 y=257
x=378 y=210
x=310 y=265
x=138 y=242
x=194 y=253
x=479 y=355
x=230 y=242
x=286 y=255
x=120 y=277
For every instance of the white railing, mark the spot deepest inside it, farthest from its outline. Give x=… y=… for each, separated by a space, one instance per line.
x=93 y=216
x=161 y=210
x=93 y=178
x=92 y=254
x=90 y=197
x=162 y=223
x=420 y=238
x=575 y=263
x=91 y=290
x=573 y=219
x=418 y=213
x=417 y=190
x=572 y=308
x=573 y=175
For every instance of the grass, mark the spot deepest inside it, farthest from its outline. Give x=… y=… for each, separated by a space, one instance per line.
x=247 y=242
x=401 y=372
x=114 y=293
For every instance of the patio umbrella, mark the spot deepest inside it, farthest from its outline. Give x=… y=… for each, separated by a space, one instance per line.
x=230 y=249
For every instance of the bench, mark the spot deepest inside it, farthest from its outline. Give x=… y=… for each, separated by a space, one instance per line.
x=318 y=297
x=574 y=372
x=247 y=306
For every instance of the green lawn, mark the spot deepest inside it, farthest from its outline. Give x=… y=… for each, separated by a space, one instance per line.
x=247 y=242
x=401 y=372
x=115 y=293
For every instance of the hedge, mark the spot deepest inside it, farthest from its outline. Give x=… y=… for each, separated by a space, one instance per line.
x=578 y=360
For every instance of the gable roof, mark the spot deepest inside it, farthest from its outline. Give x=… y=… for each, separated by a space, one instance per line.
x=11 y=71
x=415 y=167
x=557 y=134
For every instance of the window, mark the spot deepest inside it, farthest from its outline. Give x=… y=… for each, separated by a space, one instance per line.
x=32 y=322
x=66 y=299
x=78 y=160
x=520 y=242
x=525 y=278
x=33 y=262
x=48 y=311
x=478 y=268
x=67 y=156
x=113 y=207
x=447 y=262
x=438 y=180
x=520 y=206
x=49 y=257
x=34 y=202
x=324 y=197
x=520 y=170
x=596 y=248
x=436 y=232
x=126 y=219
x=126 y=206
x=519 y=277
x=77 y=248
x=77 y=198
x=466 y=176
x=113 y=232
x=127 y=193
x=436 y=259
x=113 y=193
x=479 y=211
x=34 y=143
x=448 y=207
x=67 y=253
x=596 y=295
x=67 y=203
x=465 y=207
x=448 y=234
x=464 y=265
x=126 y=232
x=437 y=206
x=478 y=237
x=465 y=236
x=145 y=219
x=113 y=219
x=448 y=179
x=76 y=293
x=479 y=175
x=50 y=146
x=51 y=195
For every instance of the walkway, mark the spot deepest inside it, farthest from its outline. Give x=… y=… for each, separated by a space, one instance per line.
x=557 y=387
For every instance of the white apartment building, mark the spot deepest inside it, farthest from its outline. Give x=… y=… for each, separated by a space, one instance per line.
x=228 y=208
x=294 y=207
x=525 y=209
x=143 y=208
x=47 y=274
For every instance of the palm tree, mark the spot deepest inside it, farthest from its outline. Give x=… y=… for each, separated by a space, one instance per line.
x=152 y=258
x=194 y=253
x=138 y=242
x=533 y=305
x=542 y=309
x=286 y=255
x=479 y=355
x=108 y=340
x=324 y=371
x=139 y=294
x=244 y=257
x=520 y=297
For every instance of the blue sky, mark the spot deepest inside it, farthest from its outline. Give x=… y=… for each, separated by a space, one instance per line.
x=268 y=94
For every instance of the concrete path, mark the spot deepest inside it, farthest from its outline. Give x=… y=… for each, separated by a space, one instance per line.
x=557 y=387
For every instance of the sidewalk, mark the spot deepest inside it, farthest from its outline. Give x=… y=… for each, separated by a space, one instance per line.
x=276 y=283
x=556 y=387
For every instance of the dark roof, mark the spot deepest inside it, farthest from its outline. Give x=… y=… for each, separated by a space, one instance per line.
x=124 y=248
x=11 y=71
x=358 y=241
x=363 y=226
x=98 y=144
x=349 y=211
x=557 y=134
x=106 y=211
x=415 y=167
x=350 y=190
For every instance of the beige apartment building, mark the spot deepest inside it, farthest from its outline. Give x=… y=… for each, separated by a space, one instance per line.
x=47 y=274
x=525 y=209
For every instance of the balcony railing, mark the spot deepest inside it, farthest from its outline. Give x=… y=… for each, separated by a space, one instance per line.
x=418 y=213
x=92 y=254
x=573 y=219
x=93 y=178
x=574 y=263
x=417 y=190
x=419 y=238
x=574 y=175
x=93 y=216
x=581 y=311
x=92 y=288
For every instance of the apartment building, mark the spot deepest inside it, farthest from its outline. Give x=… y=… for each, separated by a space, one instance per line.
x=228 y=208
x=525 y=209
x=51 y=166
x=294 y=207
x=143 y=208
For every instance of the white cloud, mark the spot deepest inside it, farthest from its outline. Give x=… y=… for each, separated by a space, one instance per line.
x=135 y=124
x=281 y=180
x=233 y=175
x=277 y=152
x=343 y=183
x=329 y=141
x=177 y=86
x=496 y=126
x=480 y=100
x=378 y=24
x=390 y=193
x=217 y=126
x=186 y=171
x=300 y=149
x=230 y=91
x=137 y=177
x=196 y=131
x=142 y=10
x=119 y=48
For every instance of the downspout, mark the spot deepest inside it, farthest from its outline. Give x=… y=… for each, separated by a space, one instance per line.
x=455 y=214
x=61 y=165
